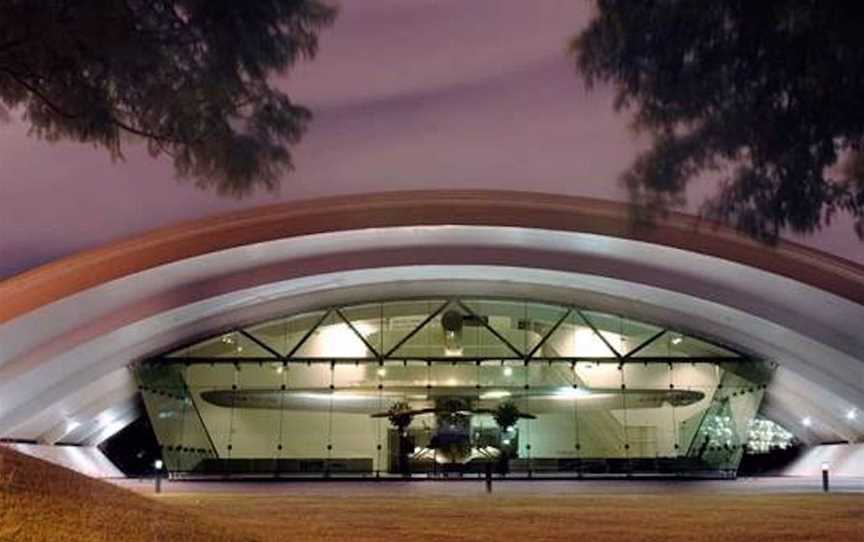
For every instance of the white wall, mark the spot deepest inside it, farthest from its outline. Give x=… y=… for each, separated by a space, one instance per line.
x=842 y=459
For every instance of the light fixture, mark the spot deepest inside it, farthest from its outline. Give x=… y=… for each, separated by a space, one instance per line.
x=587 y=343
x=807 y=422
x=571 y=393
x=495 y=394
x=677 y=340
x=340 y=341
x=158 y=464
x=508 y=371
x=382 y=371
x=852 y=414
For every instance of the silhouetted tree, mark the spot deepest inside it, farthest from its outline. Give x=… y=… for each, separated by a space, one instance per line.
x=767 y=94
x=194 y=78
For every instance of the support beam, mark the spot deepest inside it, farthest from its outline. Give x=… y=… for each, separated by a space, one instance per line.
x=597 y=332
x=261 y=343
x=359 y=335
x=645 y=344
x=490 y=328
x=414 y=331
x=551 y=331
x=309 y=333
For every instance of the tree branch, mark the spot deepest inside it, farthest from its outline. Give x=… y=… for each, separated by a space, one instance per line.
x=36 y=92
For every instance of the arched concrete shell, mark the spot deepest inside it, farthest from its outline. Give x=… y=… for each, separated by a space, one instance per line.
x=69 y=329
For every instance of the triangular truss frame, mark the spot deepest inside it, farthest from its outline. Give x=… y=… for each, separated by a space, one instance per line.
x=380 y=355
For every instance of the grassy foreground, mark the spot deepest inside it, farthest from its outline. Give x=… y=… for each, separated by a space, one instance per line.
x=43 y=502
x=40 y=501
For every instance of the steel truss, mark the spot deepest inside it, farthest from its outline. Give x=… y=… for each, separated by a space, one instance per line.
x=389 y=356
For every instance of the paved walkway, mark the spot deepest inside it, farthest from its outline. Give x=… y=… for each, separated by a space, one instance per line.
x=772 y=485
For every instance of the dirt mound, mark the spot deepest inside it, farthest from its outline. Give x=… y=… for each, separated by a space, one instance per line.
x=42 y=501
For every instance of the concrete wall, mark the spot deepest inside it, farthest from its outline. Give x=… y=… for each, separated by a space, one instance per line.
x=842 y=459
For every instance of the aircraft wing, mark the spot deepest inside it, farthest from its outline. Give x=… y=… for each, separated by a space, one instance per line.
x=370 y=400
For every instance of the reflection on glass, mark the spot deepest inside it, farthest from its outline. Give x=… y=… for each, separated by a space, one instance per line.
x=445 y=387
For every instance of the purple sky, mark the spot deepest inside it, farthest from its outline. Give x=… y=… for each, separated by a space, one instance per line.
x=414 y=94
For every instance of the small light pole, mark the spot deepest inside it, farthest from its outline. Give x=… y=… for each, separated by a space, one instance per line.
x=488 y=477
x=825 y=477
x=158 y=480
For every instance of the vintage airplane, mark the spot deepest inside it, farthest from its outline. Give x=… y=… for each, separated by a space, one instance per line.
x=452 y=407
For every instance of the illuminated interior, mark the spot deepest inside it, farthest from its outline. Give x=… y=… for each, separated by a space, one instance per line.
x=446 y=387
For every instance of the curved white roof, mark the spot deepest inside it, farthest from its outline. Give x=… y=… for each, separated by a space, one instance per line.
x=70 y=329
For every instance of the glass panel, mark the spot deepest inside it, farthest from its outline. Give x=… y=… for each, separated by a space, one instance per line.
x=353 y=431
x=574 y=339
x=174 y=418
x=256 y=415
x=676 y=345
x=164 y=399
x=406 y=385
x=472 y=328
x=455 y=333
x=551 y=436
x=602 y=416
x=285 y=334
x=501 y=379
x=228 y=345
x=367 y=322
x=624 y=335
x=507 y=318
x=400 y=318
x=720 y=440
x=333 y=339
x=650 y=420
x=443 y=439
x=539 y=321
x=701 y=379
x=212 y=388
x=306 y=419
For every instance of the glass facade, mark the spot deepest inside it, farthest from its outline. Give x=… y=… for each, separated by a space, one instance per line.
x=447 y=387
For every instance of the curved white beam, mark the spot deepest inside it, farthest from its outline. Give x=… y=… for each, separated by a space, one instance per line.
x=67 y=324
x=809 y=310
x=54 y=379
